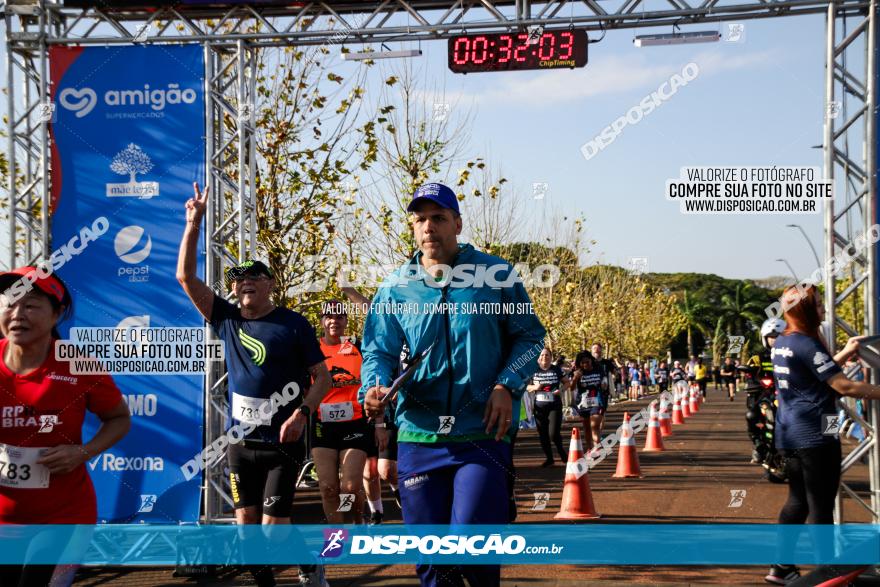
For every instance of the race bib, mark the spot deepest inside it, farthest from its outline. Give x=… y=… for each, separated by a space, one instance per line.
x=544 y=397
x=19 y=468
x=341 y=412
x=588 y=402
x=247 y=409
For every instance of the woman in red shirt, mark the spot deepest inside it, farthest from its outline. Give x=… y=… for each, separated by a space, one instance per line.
x=43 y=478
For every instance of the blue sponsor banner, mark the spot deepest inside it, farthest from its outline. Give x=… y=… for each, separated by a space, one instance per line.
x=128 y=141
x=532 y=544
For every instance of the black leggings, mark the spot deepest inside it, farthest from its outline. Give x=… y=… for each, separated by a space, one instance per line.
x=702 y=383
x=26 y=575
x=549 y=421
x=813 y=481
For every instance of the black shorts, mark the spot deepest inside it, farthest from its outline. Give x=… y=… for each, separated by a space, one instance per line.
x=340 y=436
x=265 y=473
x=390 y=452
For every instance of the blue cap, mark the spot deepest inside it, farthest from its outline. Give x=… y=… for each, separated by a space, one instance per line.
x=437 y=193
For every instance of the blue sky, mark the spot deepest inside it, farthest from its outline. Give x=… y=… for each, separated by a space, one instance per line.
x=759 y=102
x=755 y=103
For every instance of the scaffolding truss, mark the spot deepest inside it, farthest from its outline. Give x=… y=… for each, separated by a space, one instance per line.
x=233 y=37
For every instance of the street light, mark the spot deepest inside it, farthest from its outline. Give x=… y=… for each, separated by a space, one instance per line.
x=809 y=242
x=793 y=274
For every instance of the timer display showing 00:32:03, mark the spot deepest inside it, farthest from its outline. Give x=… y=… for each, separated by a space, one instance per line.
x=513 y=51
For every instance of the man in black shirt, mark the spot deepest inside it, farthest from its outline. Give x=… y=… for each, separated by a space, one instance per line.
x=267 y=349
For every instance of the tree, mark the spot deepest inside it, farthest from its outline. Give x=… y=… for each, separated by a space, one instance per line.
x=312 y=134
x=413 y=145
x=695 y=314
x=131 y=161
x=743 y=311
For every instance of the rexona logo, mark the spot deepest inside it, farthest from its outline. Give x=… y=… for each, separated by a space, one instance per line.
x=132 y=245
x=110 y=462
x=82 y=101
x=131 y=161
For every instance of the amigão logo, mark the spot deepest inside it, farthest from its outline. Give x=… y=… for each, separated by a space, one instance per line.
x=256 y=348
x=82 y=101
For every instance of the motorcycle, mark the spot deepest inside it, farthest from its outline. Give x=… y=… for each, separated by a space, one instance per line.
x=761 y=418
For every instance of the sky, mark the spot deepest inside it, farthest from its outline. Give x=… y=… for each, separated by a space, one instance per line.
x=754 y=103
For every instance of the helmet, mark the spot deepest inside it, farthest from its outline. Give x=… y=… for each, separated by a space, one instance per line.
x=771 y=327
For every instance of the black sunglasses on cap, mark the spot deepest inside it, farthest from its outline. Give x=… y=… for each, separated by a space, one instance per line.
x=247 y=269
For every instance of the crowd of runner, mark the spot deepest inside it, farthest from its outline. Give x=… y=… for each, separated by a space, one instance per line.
x=441 y=442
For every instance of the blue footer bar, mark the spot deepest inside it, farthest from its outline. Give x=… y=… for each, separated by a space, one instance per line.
x=533 y=544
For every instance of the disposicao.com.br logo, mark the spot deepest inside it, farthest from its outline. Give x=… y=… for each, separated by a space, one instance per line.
x=450 y=544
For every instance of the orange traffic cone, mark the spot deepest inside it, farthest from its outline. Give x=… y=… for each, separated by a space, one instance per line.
x=577 y=499
x=654 y=441
x=695 y=400
x=676 y=409
x=685 y=410
x=627 y=459
x=665 y=422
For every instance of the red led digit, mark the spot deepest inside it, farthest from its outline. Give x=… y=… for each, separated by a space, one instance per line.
x=522 y=48
x=480 y=54
x=461 y=50
x=508 y=43
x=542 y=55
x=567 y=45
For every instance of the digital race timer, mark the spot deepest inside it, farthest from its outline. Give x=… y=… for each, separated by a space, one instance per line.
x=512 y=51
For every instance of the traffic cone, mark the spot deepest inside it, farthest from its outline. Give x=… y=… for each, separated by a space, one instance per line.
x=627 y=459
x=685 y=410
x=665 y=422
x=695 y=400
x=676 y=409
x=654 y=441
x=577 y=499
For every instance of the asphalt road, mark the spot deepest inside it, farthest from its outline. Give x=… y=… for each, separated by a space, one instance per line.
x=691 y=482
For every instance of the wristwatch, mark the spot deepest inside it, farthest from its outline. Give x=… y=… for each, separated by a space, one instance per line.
x=380 y=424
x=305 y=410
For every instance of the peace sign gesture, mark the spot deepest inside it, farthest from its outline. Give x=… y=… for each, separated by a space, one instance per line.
x=195 y=206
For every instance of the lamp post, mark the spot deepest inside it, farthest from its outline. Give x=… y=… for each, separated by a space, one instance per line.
x=809 y=242
x=787 y=264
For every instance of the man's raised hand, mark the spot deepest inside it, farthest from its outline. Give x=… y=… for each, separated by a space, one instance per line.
x=195 y=206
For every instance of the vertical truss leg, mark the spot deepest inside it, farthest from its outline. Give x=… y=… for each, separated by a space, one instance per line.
x=230 y=87
x=850 y=95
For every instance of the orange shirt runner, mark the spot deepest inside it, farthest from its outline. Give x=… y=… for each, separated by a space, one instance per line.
x=341 y=402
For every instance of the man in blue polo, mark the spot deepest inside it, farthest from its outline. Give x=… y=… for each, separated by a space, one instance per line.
x=456 y=416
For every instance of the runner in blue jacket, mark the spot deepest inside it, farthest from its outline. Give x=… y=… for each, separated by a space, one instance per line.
x=456 y=416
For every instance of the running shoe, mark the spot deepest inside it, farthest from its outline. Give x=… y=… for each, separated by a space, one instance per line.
x=547 y=463
x=782 y=574
x=375 y=518
x=315 y=578
x=307 y=483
